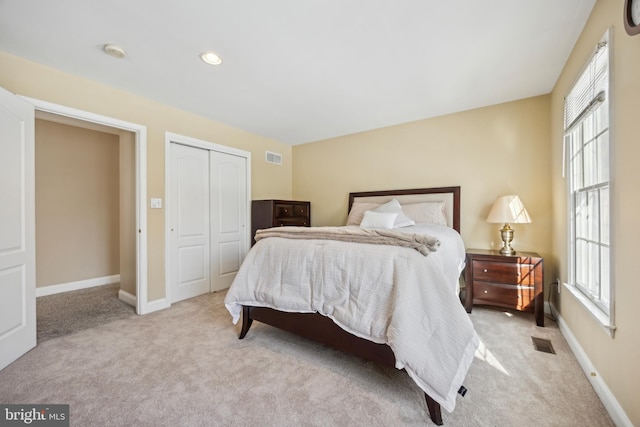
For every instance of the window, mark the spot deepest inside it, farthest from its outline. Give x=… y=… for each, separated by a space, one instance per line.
x=587 y=148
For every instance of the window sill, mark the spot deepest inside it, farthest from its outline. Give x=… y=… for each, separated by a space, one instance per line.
x=602 y=319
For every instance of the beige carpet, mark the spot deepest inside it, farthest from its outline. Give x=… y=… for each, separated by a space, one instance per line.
x=184 y=366
x=69 y=312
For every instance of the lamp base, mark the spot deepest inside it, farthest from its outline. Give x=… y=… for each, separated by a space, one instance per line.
x=506 y=233
x=507 y=251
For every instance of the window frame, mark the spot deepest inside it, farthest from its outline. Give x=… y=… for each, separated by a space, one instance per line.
x=574 y=122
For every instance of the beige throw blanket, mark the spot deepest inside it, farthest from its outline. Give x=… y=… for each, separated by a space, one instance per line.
x=422 y=243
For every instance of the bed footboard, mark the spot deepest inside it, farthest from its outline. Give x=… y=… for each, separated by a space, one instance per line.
x=322 y=329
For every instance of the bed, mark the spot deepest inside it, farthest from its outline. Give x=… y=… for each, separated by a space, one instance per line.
x=396 y=304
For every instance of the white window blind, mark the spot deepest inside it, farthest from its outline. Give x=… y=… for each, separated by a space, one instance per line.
x=590 y=89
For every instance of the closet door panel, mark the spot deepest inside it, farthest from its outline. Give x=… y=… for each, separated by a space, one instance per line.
x=228 y=217
x=190 y=222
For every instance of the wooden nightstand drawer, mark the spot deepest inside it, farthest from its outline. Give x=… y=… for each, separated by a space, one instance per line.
x=510 y=281
x=502 y=272
x=518 y=297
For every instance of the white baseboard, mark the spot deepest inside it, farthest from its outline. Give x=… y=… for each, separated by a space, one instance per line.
x=609 y=401
x=151 y=306
x=125 y=296
x=74 y=286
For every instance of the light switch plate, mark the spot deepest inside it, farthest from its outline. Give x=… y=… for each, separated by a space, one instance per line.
x=156 y=203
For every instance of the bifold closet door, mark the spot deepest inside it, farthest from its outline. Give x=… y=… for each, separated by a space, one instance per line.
x=189 y=215
x=208 y=216
x=229 y=217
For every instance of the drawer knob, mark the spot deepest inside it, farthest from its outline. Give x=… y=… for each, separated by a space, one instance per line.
x=486 y=292
x=485 y=270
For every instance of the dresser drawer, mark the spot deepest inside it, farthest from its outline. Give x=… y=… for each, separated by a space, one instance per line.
x=301 y=210
x=283 y=210
x=291 y=214
x=512 y=296
x=292 y=221
x=503 y=272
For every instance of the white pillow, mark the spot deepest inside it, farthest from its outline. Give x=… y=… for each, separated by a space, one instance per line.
x=393 y=206
x=357 y=211
x=426 y=212
x=372 y=219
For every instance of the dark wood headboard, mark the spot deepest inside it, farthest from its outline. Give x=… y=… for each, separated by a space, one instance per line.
x=449 y=195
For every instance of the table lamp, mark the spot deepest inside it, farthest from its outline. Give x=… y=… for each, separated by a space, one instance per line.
x=508 y=210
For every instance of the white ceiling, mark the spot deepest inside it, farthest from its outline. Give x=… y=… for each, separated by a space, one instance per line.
x=305 y=70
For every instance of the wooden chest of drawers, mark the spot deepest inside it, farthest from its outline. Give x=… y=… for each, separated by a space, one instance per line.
x=510 y=281
x=277 y=213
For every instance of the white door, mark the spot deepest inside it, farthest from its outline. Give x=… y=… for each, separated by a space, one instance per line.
x=17 y=228
x=190 y=229
x=228 y=217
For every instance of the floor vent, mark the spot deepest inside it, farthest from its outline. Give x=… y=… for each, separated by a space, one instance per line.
x=543 y=345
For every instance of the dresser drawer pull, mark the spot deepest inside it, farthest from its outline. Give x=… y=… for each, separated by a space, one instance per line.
x=485 y=270
x=486 y=292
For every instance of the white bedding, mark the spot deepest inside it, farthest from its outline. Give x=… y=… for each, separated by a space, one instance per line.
x=385 y=294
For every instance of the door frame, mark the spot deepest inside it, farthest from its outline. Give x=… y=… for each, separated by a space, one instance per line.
x=170 y=137
x=140 y=132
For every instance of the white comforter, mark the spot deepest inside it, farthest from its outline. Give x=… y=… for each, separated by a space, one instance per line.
x=385 y=294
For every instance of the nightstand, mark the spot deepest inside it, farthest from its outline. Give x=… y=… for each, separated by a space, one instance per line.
x=510 y=281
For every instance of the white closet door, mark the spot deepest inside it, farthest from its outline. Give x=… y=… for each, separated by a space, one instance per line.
x=189 y=216
x=17 y=228
x=228 y=217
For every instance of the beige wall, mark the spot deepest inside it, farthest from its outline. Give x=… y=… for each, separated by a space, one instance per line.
x=615 y=359
x=77 y=204
x=267 y=181
x=488 y=152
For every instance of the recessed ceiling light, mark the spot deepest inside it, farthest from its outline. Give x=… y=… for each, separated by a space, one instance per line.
x=113 y=50
x=211 y=58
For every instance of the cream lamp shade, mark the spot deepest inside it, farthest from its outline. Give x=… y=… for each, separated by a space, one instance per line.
x=508 y=210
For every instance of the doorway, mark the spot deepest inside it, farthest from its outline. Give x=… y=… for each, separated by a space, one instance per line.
x=208 y=208
x=137 y=218
x=85 y=224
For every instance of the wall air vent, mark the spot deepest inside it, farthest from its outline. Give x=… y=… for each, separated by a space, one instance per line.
x=271 y=157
